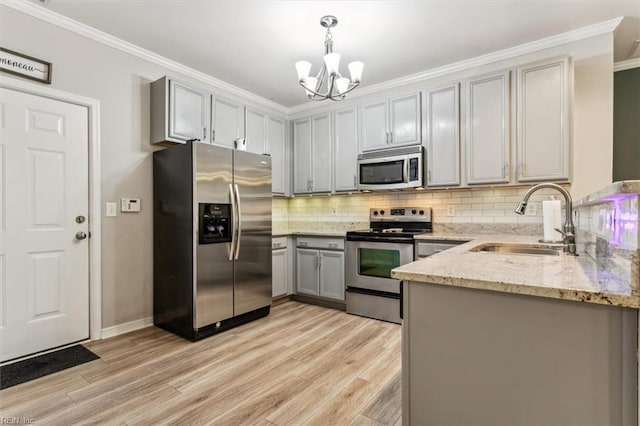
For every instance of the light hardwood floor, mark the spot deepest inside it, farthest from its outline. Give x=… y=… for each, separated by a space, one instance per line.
x=301 y=365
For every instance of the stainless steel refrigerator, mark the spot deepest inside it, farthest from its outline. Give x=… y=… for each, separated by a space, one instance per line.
x=212 y=238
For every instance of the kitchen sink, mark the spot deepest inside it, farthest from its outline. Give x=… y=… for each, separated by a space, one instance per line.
x=518 y=249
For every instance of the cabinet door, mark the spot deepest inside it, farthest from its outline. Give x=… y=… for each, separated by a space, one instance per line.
x=405 y=120
x=321 y=153
x=276 y=146
x=307 y=262
x=345 y=150
x=302 y=156
x=375 y=130
x=255 y=130
x=228 y=122
x=280 y=272
x=487 y=129
x=188 y=112
x=332 y=274
x=543 y=121
x=443 y=136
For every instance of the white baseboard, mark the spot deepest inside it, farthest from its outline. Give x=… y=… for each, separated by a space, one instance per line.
x=126 y=327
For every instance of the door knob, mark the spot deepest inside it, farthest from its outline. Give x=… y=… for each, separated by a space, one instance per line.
x=80 y=235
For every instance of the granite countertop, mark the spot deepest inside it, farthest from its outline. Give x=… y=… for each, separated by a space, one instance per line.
x=580 y=278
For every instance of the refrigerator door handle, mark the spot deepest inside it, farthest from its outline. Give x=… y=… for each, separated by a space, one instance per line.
x=238 y=222
x=234 y=222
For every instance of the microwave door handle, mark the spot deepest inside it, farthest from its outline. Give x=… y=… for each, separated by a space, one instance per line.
x=239 y=222
x=406 y=171
x=234 y=222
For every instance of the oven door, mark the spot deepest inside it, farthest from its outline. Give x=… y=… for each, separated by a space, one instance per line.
x=369 y=264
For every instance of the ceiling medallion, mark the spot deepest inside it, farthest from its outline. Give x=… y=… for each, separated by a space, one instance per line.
x=329 y=83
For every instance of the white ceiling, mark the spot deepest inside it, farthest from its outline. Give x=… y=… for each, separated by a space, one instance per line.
x=254 y=44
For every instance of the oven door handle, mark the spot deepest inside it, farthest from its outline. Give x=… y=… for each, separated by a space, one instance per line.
x=401 y=299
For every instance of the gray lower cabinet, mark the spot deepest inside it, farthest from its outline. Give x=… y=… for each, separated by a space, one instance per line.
x=472 y=357
x=280 y=267
x=320 y=271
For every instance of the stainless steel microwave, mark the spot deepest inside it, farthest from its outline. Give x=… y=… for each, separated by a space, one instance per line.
x=397 y=168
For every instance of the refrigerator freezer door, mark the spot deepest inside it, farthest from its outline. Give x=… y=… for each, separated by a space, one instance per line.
x=252 y=270
x=213 y=292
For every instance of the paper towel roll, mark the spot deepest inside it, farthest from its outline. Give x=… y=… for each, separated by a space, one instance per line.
x=551 y=219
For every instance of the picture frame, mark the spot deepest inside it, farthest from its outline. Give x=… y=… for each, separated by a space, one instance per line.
x=25 y=66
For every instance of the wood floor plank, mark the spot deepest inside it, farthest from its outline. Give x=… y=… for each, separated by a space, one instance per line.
x=301 y=364
x=386 y=406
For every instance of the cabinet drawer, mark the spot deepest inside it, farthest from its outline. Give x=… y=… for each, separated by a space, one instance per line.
x=279 y=243
x=321 y=243
x=429 y=249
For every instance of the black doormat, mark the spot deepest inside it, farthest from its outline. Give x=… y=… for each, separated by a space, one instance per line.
x=32 y=368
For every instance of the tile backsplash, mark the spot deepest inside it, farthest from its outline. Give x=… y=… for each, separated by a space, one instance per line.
x=450 y=207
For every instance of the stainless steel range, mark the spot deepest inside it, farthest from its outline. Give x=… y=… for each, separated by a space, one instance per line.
x=373 y=253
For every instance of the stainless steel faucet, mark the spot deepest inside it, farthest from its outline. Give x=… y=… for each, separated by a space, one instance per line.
x=568 y=231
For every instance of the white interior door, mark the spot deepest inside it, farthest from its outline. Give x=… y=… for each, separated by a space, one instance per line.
x=44 y=265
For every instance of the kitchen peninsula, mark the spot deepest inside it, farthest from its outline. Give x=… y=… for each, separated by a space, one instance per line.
x=508 y=338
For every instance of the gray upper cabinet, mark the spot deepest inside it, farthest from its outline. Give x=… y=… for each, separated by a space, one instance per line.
x=345 y=150
x=393 y=122
x=375 y=132
x=302 y=156
x=443 y=136
x=487 y=130
x=312 y=154
x=276 y=146
x=255 y=130
x=178 y=112
x=321 y=153
x=543 y=121
x=405 y=120
x=228 y=122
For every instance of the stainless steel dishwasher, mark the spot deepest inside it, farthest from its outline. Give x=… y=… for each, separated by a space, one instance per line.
x=426 y=248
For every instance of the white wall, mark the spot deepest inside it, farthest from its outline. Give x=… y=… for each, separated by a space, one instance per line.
x=121 y=83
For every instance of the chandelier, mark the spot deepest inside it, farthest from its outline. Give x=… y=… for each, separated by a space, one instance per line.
x=328 y=83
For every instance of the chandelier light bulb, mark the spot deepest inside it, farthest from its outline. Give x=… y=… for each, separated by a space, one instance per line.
x=355 y=69
x=303 y=68
x=342 y=84
x=332 y=62
x=310 y=85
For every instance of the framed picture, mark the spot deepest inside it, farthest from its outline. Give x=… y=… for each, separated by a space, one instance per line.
x=25 y=66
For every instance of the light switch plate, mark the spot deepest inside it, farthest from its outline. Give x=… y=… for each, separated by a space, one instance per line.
x=130 y=205
x=112 y=209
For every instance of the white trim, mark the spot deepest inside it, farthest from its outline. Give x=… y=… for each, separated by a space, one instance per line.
x=79 y=28
x=626 y=65
x=127 y=327
x=74 y=26
x=500 y=55
x=95 y=241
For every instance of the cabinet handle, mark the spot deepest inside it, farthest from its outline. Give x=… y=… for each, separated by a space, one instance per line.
x=355 y=181
x=303 y=243
x=276 y=245
x=333 y=245
x=390 y=137
x=429 y=176
x=204 y=134
x=213 y=135
x=521 y=169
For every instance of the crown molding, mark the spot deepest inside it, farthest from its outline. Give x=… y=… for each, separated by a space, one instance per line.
x=54 y=18
x=626 y=65
x=500 y=55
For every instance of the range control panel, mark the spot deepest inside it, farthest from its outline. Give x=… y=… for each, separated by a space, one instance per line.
x=405 y=214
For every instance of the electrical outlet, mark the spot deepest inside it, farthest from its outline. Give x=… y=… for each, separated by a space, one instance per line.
x=532 y=209
x=112 y=209
x=451 y=210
